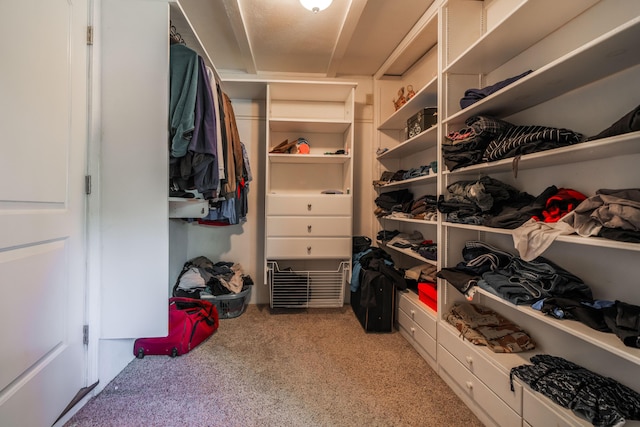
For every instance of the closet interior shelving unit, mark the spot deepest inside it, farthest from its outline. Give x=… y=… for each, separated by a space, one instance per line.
x=308 y=200
x=416 y=65
x=585 y=67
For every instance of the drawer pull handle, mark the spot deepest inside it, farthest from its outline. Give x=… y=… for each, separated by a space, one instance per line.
x=413 y=314
x=309 y=250
x=469 y=385
x=308 y=229
x=413 y=331
x=469 y=360
x=309 y=207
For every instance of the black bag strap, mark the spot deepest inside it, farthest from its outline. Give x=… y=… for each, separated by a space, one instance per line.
x=191 y=305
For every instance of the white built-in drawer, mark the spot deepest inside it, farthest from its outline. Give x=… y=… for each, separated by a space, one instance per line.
x=467 y=385
x=314 y=205
x=188 y=208
x=418 y=312
x=494 y=377
x=416 y=335
x=302 y=248
x=295 y=226
x=540 y=411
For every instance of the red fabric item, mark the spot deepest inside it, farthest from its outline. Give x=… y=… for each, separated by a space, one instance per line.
x=560 y=204
x=428 y=294
x=213 y=222
x=191 y=321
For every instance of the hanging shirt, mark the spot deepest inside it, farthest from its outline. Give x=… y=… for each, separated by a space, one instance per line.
x=183 y=76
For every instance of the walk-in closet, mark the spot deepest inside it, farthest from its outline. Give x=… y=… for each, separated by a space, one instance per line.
x=462 y=174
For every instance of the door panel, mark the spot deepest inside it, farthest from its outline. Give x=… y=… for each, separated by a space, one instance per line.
x=43 y=104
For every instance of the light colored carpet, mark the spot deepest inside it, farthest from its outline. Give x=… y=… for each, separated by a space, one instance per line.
x=313 y=367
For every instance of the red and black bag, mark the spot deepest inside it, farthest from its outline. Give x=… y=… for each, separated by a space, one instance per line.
x=191 y=321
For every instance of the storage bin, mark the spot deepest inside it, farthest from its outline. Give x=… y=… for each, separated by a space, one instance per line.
x=421 y=121
x=230 y=305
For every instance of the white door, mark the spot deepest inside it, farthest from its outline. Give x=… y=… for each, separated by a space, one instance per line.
x=43 y=122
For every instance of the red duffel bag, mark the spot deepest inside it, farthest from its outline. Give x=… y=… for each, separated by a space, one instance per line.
x=191 y=321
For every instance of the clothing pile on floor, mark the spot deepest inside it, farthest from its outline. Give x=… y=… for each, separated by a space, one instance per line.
x=200 y=276
x=543 y=285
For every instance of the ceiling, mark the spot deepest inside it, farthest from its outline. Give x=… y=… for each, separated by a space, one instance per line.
x=280 y=37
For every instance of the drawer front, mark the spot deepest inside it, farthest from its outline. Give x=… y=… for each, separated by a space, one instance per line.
x=301 y=248
x=477 y=363
x=469 y=386
x=295 y=205
x=410 y=304
x=280 y=226
x=539 y=411
x=417 y=335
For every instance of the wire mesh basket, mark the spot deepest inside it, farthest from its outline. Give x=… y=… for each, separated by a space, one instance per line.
x=291 y=288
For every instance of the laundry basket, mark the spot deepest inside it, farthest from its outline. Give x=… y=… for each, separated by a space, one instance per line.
x=230 y=305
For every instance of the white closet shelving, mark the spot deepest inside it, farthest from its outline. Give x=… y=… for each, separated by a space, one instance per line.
x=309 y=205
x=416 y=64
x=585 y=67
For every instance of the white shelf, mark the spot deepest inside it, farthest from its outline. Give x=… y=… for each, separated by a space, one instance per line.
x=619 y=145
x=409 y=220
x=308 y=126
x=424 y=140
x=600 y=58
x=245 y=88
x=572 y=238
x=422 y=38
x=607 y=341
x=515 y=33
x=321 y=91
x=309 y=158
x=425 y=97
x=427 y=179
x=411 y=253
